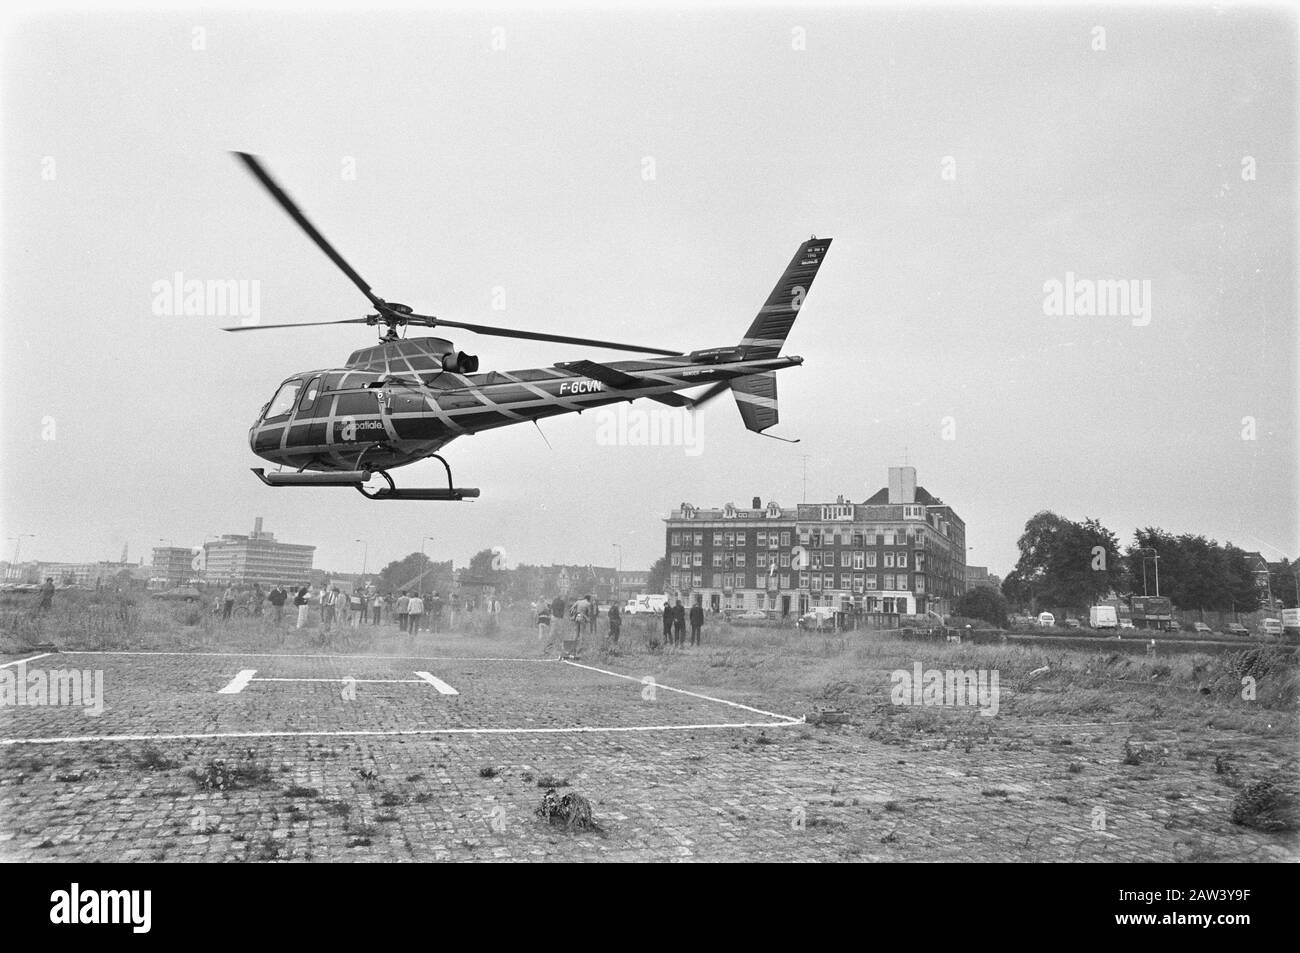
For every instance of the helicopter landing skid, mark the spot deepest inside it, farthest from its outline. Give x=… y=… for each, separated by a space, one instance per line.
x=357 y=478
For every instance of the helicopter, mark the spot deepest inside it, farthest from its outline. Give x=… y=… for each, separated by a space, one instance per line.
x=402 y=400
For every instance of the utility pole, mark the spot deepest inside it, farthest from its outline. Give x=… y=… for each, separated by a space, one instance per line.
x=805 y=478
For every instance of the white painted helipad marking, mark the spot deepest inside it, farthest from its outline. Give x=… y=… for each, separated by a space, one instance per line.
x=789 y=719
x=443 y=687
x=354 y=681
x=393 y=733
x=320 y=655
x=22 y=661
x=239 y=682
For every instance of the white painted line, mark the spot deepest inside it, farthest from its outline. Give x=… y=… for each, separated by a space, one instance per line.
x=22 y=661
x=681 y=691
x=321 y=655
x=398 y=732
x=443 y=687
x=354 y=681
x=239 y=682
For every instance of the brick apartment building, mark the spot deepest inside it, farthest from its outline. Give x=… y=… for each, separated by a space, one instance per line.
x=902 y=551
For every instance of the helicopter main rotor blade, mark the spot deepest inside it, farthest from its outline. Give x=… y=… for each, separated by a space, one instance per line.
x=295 y=213
x=296 y=324
x=535 y=335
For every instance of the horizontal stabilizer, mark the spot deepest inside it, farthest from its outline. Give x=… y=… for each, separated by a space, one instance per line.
x=607 y=375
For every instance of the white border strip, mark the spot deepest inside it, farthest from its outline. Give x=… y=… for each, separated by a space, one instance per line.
x=22 y=660
x=399 y=732
x=345 y=681
x=708 y=698
x=239 y=682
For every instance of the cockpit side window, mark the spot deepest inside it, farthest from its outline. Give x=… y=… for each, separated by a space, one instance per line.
x=309 y=394
x=283 y=400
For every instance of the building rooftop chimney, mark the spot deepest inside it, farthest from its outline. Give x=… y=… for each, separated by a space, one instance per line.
x=758 y=503
x=902 y=484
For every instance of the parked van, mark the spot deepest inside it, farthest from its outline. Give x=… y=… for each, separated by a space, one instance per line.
x=1046 y=618
x=1103 y=617
x=645 y=605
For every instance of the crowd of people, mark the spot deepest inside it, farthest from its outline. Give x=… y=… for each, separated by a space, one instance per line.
x=583 y=617
x=410 y=610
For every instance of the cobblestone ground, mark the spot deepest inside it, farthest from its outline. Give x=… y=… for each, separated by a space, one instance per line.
x=361 y=758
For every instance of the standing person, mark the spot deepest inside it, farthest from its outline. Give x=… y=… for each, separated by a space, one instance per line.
x=376 y=608
x=679 y=624
x=326 y=606
x=276 y=597
x=400 y=610
x=615 y=623
x=435 y=611
x=227 y=602
x=357 y=606
x=557 y=611
x=578 y=612
x=593 y=613
x=300 y=600
x=46 y=601
x=259 y=597
x=414 y=609
x=543 y=621
x=697 y=621
x=668 y=623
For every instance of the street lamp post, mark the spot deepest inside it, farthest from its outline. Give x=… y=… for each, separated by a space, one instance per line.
x=18 y=540
x=619 y=577
x=365 y=558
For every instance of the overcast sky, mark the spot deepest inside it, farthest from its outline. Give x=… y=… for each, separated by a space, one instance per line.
x=517 y=176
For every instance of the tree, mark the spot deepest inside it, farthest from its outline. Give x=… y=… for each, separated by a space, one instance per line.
x=1194 y=572
x=1064 y=563
x=403 y=573
x=981 y=602
x=657 y=580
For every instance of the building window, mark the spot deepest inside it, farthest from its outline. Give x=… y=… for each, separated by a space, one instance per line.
x=675 y=539
x=697 y=559
x=674 y=580
x=717 y=539
x=920 y=583
x=785 y=560
x=785 y=539
x=857 y=582
x=699 y=539
x=740 y=539
x=717 y=560
x=828 y=580
x=846 y=559
x=871 y=581
x=816 y=581
x=846 y=581
x=697 y=580
x=740 y=559
x=858 y=557
x=762 y=539
x=730 y=539
x=785 y=580
x=803 y=580
x=871 y=560
x=889 y=582
x=902 y=559
x=674 y=559
x=889 y=560
x=762 y=560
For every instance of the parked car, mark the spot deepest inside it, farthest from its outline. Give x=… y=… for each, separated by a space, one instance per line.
x=1046 y=619
x=746 y=615
x=1073 y=624
x=1200 y=628
x=1126 y=624
x=1236 y=628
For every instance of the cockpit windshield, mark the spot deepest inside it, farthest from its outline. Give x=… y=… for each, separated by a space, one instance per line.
x=283 y=400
